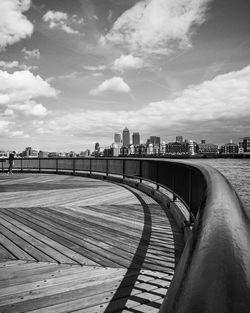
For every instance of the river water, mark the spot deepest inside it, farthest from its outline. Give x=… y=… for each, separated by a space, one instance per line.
x=237 y=171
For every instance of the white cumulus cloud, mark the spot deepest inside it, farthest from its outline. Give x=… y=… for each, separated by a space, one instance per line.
x=30 y=108
x=116 y=84
x=14 y=25
x=158 y=26
x=22 y=86
x=126 y=62
x=61 y=20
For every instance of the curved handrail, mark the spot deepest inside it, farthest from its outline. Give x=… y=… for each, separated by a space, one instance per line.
x=214 y=271
x=213 y=274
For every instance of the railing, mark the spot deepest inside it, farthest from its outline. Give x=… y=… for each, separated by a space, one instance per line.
x=213 y=274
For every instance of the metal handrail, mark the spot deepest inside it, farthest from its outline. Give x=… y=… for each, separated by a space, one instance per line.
x=213 y=274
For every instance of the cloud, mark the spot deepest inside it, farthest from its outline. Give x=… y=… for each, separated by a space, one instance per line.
x=14 y=26
x=21 y=86
x=30 y=108
x=95 y=68
x=125 y=62
x=116 y=84
x=15 y=64
x=61 y=20
x=157 y=26
x=220 y=102
x=31 y=53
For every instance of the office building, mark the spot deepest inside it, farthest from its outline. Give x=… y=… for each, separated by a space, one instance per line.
x=136 y=139
x=117 y=138
x=126 y=138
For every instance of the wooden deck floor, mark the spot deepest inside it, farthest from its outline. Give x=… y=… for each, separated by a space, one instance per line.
x=73 y=244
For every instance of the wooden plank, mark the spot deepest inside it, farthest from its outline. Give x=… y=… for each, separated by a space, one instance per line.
x=37 y=239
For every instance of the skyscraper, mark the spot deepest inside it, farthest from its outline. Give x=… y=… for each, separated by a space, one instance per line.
x=126 y=137
x=136 y=139
x=117 y=138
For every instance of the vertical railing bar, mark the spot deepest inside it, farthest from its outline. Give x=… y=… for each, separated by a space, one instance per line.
x=39 y=165
x=90 y=166
x=190 y=196
x=123 y=169
x=74 y=165
x=107 y=167
x=140 y=170
x=56 y=165
x=173 y=182
x=21 y=165
x=157 y=175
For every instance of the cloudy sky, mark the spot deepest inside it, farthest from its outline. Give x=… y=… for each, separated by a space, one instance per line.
x=73 y=72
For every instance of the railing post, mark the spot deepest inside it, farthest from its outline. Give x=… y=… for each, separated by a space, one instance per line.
x=90 y=166
x=39 y=165
x=140 y=170
x=56 y=165
x=157 y=175
x=21 y=165
x=173 y=182
x=74 y=165
x=190 y=195
x=107 y=167
x=123 y=169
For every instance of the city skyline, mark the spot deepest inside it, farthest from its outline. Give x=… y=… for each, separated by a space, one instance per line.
x=70 y=76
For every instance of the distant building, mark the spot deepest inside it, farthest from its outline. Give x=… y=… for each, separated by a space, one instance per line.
x=177 y=148
x=155 y=140
x=203 y=141
x=207 y=148
x=163 y=148
x=124 y=151
x=53 y=155
x=241 y=149
x=117 y=138
x=136 y=139
x=150 y=149
x=30 y=153
x=229 y=148
x=179 y=139
x=191 y=147
x=131 y=149
x=85 y=153
x=43 y=154
x=140 y=150
x=126 y=137
x=246 y=144
x=4 y=154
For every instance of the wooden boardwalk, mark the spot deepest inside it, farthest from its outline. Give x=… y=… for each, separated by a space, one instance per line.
x=74 y=244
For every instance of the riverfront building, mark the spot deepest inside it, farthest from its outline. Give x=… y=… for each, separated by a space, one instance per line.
x=229 y=148
x=207 y=148
x=246 y=144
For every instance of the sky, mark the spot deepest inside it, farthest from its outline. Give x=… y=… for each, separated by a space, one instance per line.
x=74 y=72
